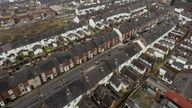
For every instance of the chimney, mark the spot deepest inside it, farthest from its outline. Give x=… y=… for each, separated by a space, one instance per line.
x=157 y=96
x=101 y=69
x=116 y=61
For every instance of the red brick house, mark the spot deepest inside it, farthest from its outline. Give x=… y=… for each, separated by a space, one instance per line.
x=112 y=39
x=90 y=48
x=78 y=54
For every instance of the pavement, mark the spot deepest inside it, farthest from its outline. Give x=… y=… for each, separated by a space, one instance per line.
x=32 y=98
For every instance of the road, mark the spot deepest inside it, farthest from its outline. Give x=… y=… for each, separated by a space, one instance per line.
x=28 y=100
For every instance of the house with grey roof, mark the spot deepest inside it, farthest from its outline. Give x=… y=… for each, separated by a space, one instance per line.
x=99 y=43
x=169 y=39
x=166 y=44
x=90 y=48
x=118 y=83
x=116 y=60
x=138 y=66
x=182 y=83
x=69 y=95
x=130 y=74
x=46 y=69
x=65 y=61
x=19 y=84
x=86 y=102
x=78 y=53
x=133 y=51
x=161 y=49
x=99 y=75
x=177 y=65
x=167 y=75
x=149 y=60
x=104 y=97
x=110 y=39
x=152 y=84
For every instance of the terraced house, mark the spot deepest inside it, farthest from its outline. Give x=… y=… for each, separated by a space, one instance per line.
x=105 y=53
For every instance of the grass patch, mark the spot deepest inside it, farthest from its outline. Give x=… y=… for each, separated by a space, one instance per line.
x=142 y=98
x=136 y=94
x=146 y=101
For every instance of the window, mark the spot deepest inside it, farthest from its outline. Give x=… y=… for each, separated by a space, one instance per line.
x=21 y=85
x=10 y=92
x=23 y=90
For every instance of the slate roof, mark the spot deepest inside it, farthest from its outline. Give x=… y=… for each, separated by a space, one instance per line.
x=132 y=49
x=161 y=47
x=6 y=84
x=129 y=73
x=130 y=25
x=24 y=75
x=183 y=83
x=89 y=45
x=98 y=41
x=19 y=77
x=138 y=64
x=154 y=83
x=67 y=93
x=85 y=102
x=62 y=57
x=116 y=80
x=186 y=6
x=109 y=36
x=78 y=87
x=58 y=99
x=148 y=58
x=115 y=60
x=98 y=73
x=170 y=76
x=104 y=96
x=166 y=43
x=46 y=65
x=178 y=64
x=77 y=50
x=153 y=34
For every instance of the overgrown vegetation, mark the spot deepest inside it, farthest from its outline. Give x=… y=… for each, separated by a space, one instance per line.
x=14 y=34
x=143 y=99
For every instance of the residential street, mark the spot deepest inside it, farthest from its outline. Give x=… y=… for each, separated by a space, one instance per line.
x=28 y=100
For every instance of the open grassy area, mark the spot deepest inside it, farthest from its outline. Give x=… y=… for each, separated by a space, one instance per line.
x=14 y=34
x=142 y=98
